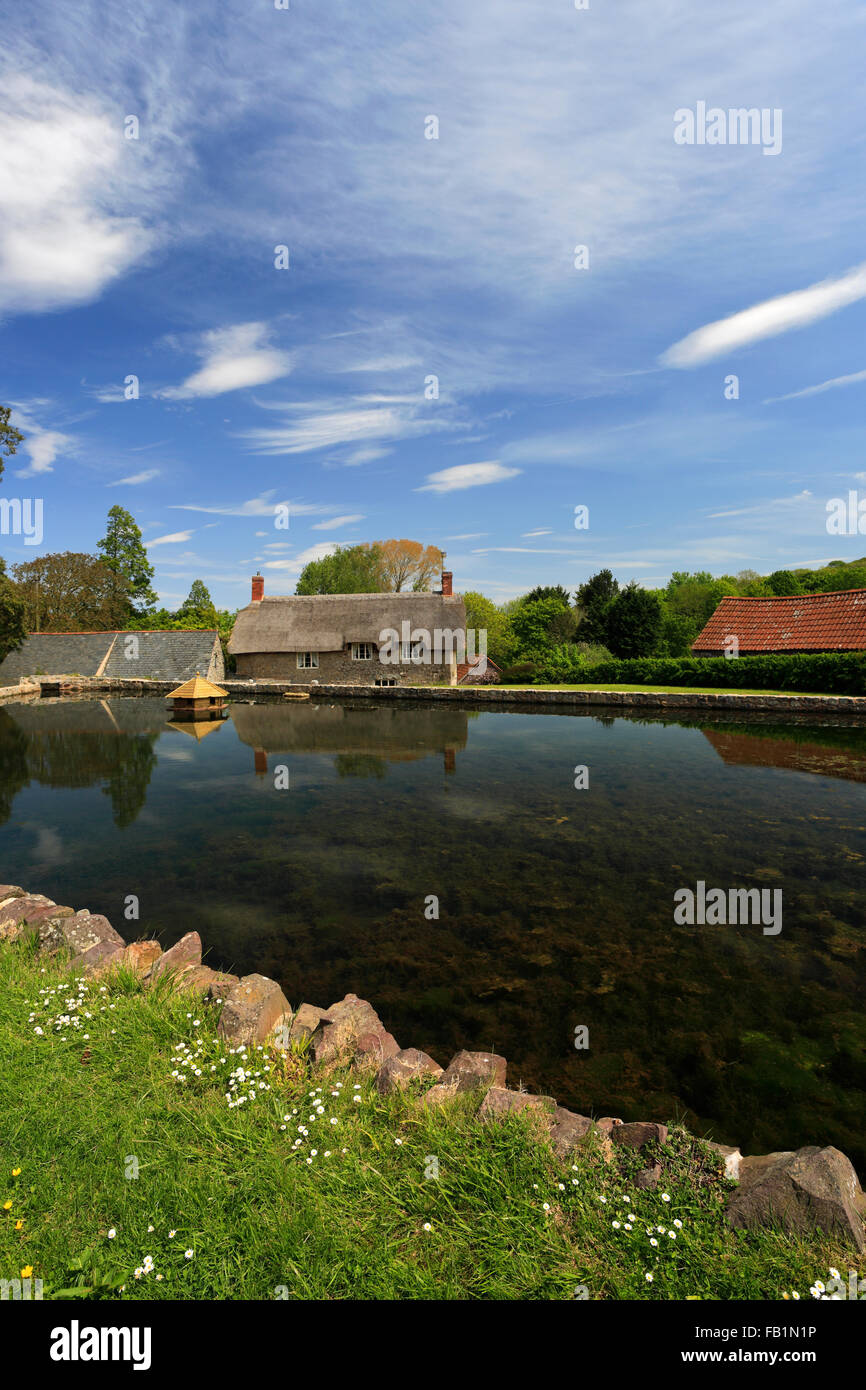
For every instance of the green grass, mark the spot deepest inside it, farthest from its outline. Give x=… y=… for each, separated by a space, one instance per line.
x=265 y=1218
x=678 y=690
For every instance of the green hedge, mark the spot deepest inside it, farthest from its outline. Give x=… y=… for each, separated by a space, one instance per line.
x=828 y=673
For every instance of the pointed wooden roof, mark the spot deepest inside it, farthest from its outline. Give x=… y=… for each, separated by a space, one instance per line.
x=197 y=729
x=196 y=689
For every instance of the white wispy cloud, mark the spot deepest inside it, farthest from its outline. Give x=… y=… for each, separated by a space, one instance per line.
x=263 y=505
x=527 y=535
x=135 y=479
x=295 y=565
x=850 y=380
x=768 y=319
x=232 y=358
x=172 y=539
x=314 y=425
x=464 y=475
x=337 y=521
x=42 y=446
x=69 y=224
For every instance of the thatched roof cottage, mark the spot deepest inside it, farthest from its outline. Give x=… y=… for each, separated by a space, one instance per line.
x=351 y=639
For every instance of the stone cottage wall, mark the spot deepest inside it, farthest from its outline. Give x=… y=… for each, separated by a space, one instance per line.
x=338 y=668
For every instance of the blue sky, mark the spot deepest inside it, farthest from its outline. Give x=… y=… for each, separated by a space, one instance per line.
x=454 y=257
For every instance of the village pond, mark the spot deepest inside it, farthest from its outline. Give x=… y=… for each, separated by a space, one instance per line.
x=311 y=841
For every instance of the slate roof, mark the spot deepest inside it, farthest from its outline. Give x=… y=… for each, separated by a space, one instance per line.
x=326 y=622
x=169 y=656
x=802 y=623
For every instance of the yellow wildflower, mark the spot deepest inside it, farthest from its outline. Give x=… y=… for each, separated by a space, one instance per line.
x=26 y=1271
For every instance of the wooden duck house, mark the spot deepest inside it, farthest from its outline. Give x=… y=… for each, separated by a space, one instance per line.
x=197 y=699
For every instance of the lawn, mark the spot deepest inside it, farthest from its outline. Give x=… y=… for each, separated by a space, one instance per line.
x=140 y=1159
x=679 y=690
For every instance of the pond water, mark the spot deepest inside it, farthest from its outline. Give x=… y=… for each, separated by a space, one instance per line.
x=556 y=904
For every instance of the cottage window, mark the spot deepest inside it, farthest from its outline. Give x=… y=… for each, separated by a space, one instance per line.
x=307 y=660
x=362 y=651
x=389 y=680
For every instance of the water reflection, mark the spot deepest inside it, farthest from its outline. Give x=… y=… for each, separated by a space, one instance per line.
x=364 y=737
x=556 y=904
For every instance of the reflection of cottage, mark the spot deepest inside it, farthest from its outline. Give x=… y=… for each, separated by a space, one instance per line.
x=843 y=757
x=145 y=655
x=834 y=622
x=351 y=639
x=392 y=732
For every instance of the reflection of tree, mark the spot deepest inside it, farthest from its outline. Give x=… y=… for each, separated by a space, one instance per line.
x=359 y=765
x=73 y=758
x=13 y=764
x=129 y=779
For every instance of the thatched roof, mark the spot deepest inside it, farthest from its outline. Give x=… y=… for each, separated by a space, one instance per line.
x=326 y=622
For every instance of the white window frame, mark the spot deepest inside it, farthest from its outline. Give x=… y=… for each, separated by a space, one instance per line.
x=308 y=661
x=356 y=648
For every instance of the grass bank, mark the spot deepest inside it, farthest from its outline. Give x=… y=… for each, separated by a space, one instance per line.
x=612 y=689
x=141 y=1159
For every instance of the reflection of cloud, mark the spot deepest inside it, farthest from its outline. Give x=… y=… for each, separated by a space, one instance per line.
x=175 y=755
x=48 y=850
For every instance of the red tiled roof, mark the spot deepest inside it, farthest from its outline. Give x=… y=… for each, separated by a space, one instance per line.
x=802 y=623
x=465 y=667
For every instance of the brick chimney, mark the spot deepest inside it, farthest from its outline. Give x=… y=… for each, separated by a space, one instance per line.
x=447 y=577
x=258 y=588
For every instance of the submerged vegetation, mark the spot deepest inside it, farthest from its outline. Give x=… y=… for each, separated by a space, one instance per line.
x=142 y=1159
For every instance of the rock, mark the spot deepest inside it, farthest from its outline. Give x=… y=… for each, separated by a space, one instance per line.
x=252 y=1009
x=88 y=935
x=375 y=1045
x=733 y=1158
x=403 y=1067
x=10 y=890
x=500 y=1102
x=183 y=955
x=26 y=910
x=569 y=1131
x=307 y=1020
x=439 y=1095
x=471 y=1071
x=810 y=1188
x=218 y=987
x=202 y=977
x=648 y=1178
x=138 y=957
x=638 y=1134
x=349 y=1021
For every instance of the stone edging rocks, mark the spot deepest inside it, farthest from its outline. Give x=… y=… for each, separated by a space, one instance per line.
x=485 y=695
x=799 y=1190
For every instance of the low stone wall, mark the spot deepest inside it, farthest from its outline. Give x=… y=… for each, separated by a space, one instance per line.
x=801 y=1190
x=850 y=705
x=20 y=691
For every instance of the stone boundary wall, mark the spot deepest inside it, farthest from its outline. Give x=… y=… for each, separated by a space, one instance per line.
x=798 y=1190
x=478 y=695
x=19 y=691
